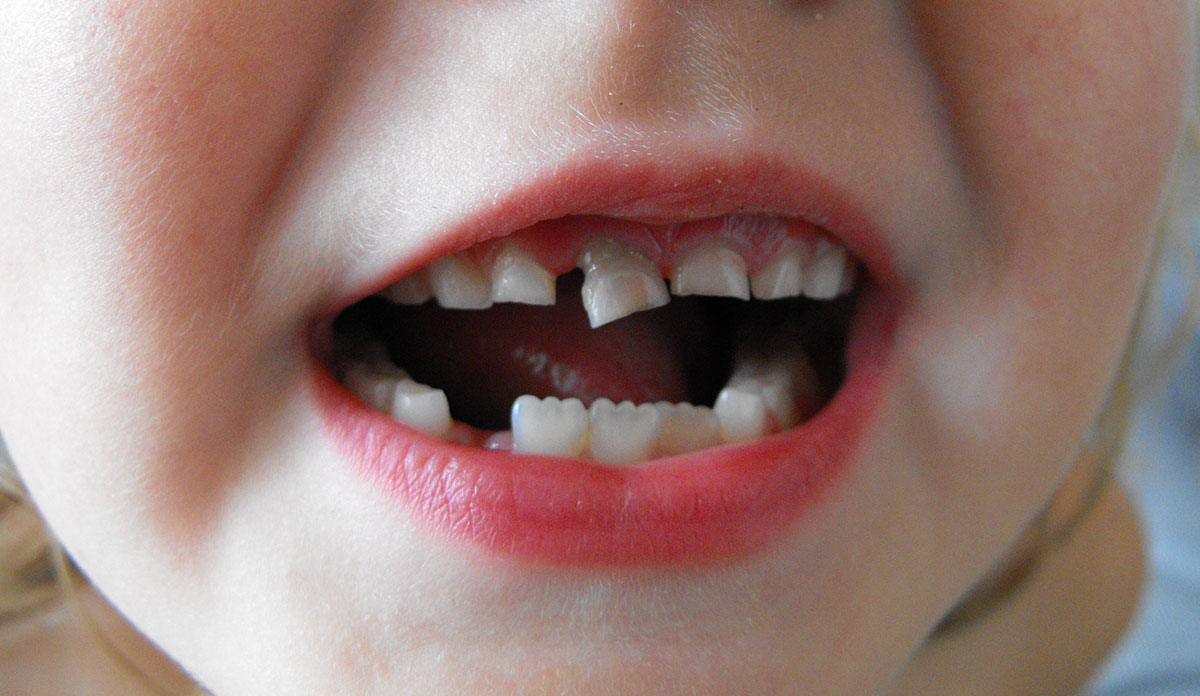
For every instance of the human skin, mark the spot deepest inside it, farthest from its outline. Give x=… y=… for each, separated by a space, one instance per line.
x=190 y=185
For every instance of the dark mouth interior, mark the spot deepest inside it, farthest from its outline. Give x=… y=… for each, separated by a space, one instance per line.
x=485 y=359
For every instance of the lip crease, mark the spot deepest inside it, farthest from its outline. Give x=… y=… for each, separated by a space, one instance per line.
x=700 y=507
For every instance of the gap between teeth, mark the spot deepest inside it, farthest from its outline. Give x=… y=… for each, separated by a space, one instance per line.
x=619 y=281
x=765 y=394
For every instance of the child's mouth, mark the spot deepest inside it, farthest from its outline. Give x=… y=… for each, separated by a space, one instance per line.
x=638 y=364
x=615 y=340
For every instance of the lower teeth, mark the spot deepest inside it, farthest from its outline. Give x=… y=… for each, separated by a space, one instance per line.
x=768 y=392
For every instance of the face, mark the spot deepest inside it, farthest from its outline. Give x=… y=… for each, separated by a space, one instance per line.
x=202 y=196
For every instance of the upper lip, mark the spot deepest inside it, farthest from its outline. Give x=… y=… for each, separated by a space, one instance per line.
x=661 y=190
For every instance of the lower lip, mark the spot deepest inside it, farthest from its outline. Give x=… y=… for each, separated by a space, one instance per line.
x=701 y=507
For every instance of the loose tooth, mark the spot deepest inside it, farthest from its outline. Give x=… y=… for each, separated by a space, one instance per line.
x=413 y=290
x=457 y=284
x=686 y=428
x=823 y=275
x=618 y=281
x=741 y=412
x=622 y=433
x=518 y=277
x=421 y=407
x=711 y=270
x=372 y=386
x=549 y=426
x=783 y=276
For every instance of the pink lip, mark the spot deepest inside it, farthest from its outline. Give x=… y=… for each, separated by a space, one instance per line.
x=703 y=506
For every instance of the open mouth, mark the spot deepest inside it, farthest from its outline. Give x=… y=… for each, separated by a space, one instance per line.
x=620 y=363
x=614 y=340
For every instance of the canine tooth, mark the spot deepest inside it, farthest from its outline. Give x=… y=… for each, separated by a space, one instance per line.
x=711 y=270
x=422 y=407
x=549 y=426
x=518 y=277
x=686 y=428
x=823 y=274
x=618 y=281
x=621 y=433
x=457 y=284
x=413 y=290
x=741 y=412
x=372 y=386
x=783 y=276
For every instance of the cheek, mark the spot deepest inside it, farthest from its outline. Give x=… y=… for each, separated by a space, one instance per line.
x=146 y=155
x=1066 y=115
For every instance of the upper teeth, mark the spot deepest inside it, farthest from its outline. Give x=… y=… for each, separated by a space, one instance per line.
x=518 y=277
x=711 y=270
x=619 y=281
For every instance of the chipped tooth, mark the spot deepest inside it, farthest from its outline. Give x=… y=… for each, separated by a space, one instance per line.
x=741 y=412
x=783 y=276
x=372 y=386
x=618 y=281
x=413 y=290
x=422 y=407
x=823 y=274
x=549 y=426
x=518 y=277
x=686 y=428
x=457 y=284
x=621 y=433
x=713 y=270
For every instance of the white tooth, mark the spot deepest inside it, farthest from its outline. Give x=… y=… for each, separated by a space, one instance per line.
x=372 y=386
x=823 y=275
x=457 y=284
x=621 y=433
x=549 y=426
x=421 y=407
x=783 y=276
x=686 y=428
x=778 y=394
x=618 y=281
x=413 y=290
x=518 y=277
x=711 y=270
x=742 y=413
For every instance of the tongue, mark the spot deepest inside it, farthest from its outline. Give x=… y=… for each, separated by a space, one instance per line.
x=485 y=359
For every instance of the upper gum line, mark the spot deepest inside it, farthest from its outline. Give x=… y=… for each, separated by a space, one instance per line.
x=556 y=244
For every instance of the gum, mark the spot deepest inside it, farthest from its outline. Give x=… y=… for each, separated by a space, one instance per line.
x=556 y=244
